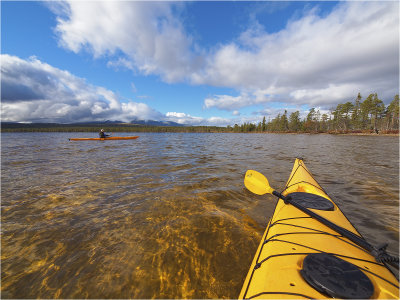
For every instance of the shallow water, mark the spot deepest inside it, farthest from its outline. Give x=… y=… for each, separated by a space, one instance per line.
x=167 y=215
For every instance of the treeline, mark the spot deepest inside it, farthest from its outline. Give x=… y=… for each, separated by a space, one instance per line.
x=54 y=127
x=361 y=116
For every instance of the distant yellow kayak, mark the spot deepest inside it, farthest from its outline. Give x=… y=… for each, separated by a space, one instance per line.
x=301 y=258
x=105 y=139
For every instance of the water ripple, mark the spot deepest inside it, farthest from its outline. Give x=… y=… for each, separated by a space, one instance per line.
x=166 y=215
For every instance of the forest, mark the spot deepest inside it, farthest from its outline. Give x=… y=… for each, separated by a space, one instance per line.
x=361 y=116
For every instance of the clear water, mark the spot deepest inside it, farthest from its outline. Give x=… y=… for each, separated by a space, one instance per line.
x=167 y=215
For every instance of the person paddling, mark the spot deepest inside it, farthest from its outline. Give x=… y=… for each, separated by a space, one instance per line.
x=102 y=134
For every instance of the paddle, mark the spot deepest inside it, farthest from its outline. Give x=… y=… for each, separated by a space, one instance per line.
x=258 y=184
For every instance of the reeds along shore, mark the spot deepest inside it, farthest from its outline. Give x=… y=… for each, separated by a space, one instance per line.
x=363 y=117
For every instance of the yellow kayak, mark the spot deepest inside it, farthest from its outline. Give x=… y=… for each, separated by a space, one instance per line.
x=301 y=258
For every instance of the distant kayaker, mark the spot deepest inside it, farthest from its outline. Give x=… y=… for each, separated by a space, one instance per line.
x=102 y=134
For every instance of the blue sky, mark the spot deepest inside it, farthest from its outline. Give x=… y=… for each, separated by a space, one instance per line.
x=195 y=63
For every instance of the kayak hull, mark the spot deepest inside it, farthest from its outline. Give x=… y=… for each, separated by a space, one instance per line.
x=105 y=139
x=279 y=264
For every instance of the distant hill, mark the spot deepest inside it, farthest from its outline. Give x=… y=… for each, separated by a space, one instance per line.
x=110 y=126
x=156 y=123
x=134 y=122
x=94 y=123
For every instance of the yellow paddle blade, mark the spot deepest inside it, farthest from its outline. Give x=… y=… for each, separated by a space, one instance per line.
x=257 y=183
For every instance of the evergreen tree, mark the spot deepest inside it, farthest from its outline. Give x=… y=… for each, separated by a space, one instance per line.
x=283 y=122
x=259 y=127
x=264 y=125
x=337 y=117
x=311 y=114
x=378 y=108
x=324 y=122
x=310 y=120
x=355 y=116
x=393 y=114
x=294 y=121
x=345 y=110
x=366 y=109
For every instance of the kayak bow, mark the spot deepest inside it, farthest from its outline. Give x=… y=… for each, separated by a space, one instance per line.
x=300 y=257
x=105 y=139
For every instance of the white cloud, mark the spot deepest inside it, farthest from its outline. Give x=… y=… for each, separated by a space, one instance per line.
x=352 y=49
x=183 y=118
x=236 y=113
x=218 y=121
x=228 y=102
x=33 y=91
x=314 y=60
x=149 y=34
x=333 y=92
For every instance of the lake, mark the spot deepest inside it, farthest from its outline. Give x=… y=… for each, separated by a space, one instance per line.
x=167 y=215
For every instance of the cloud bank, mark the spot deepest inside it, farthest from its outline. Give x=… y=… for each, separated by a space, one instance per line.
x=315 y=60
x=33 y=91
x=149 y=35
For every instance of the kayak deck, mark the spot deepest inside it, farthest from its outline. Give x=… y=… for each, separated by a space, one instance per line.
x=105 y=139
x=279 y=269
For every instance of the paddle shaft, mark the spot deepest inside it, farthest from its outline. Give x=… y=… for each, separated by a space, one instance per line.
x=344 y=232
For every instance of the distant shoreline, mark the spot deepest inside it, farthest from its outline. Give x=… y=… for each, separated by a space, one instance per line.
x=129 y=127
x=335 y=133
x=168 y=129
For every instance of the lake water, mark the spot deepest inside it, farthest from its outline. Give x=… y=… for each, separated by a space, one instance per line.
x=167 y=215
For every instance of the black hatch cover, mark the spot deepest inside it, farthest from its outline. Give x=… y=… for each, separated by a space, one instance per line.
x=311 y=201
x=336 y=277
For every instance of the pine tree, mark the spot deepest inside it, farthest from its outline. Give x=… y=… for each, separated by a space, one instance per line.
x=393 y=114
x=345 y=110
x=366 y=109
x=284 y=124
x=264 y=126
x=355 y=116
x=294 y=121
x=378 y=108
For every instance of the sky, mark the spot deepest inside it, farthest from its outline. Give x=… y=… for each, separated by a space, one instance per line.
x=193 y=62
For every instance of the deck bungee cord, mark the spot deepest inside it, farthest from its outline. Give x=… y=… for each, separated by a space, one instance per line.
x=378 y=252
x=304 y=254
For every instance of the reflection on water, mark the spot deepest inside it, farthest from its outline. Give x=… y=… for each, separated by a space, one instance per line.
x=167 y=215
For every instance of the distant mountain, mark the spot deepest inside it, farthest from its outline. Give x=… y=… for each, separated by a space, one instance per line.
x=134 y=122
x=94 y=123
x=97 y=122
x=155 y=123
